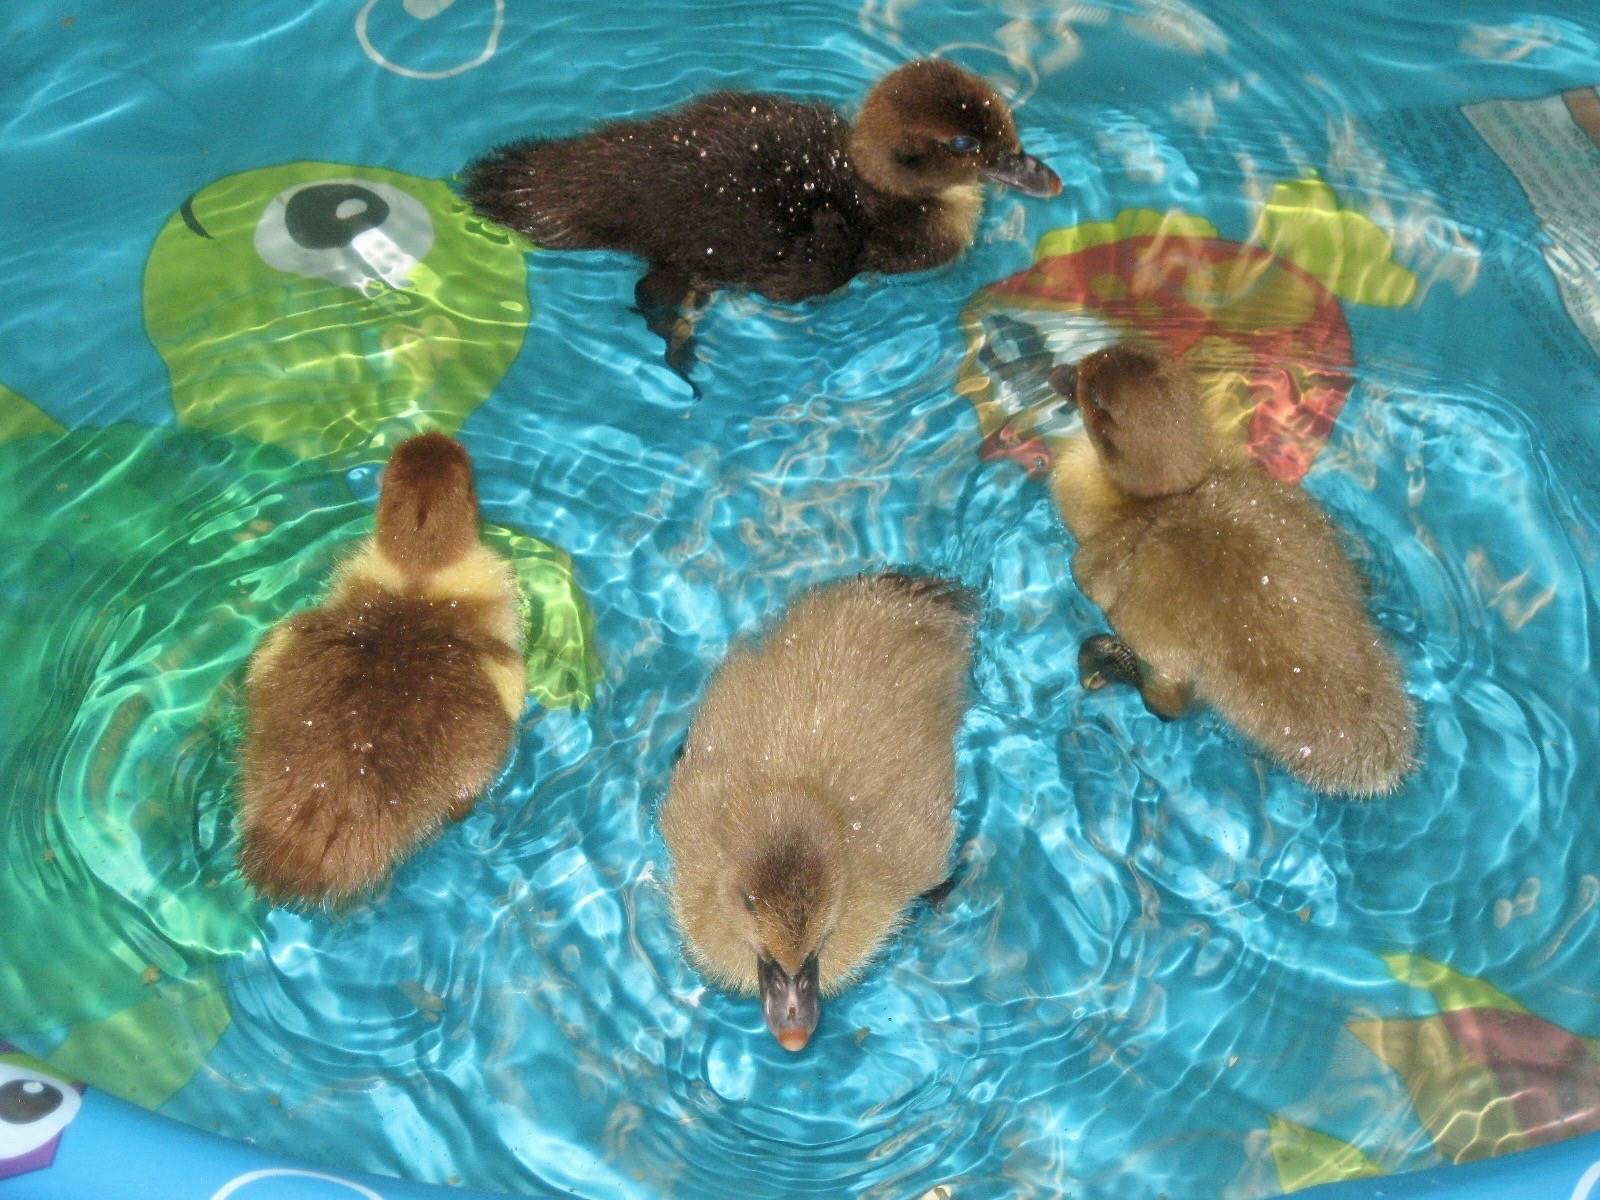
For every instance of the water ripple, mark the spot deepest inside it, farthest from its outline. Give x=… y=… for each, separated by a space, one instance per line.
x=1159 y=944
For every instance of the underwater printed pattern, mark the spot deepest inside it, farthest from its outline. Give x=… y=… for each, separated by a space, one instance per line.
x=332 y=310
x=1263 y=332
x=284 y=324
x=239 y=272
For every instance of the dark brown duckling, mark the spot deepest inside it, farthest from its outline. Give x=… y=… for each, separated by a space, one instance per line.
x=1221 y=581
x=812 y=801
x=783 y=197
x=386 y=711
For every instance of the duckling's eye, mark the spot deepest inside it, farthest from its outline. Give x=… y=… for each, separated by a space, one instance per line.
x=749 y=904
x=962 y=144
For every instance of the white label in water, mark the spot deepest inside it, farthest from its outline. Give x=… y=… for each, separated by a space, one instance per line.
x=385 y=260
x=1552 y=146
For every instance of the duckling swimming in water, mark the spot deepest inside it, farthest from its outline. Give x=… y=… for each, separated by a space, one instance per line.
x=812 y=800
x=387 y=710
x=1221 y=581
x=783 y=197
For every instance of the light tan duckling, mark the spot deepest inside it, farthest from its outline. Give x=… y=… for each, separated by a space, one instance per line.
x=386 y=711
x=1221 y=581
x=813 y=798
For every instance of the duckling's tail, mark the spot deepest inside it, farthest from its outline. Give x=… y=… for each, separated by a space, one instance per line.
x=946 y=593
x=1358 y=740
x=525 y=186
x=323 y=852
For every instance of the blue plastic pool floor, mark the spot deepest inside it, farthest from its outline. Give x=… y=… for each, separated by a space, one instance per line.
x=1169 y=971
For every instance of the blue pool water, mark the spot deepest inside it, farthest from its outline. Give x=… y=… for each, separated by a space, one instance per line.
x=1169 y=970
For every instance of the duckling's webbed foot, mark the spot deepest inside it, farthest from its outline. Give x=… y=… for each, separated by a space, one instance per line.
x=670 y=301
x=1104 y=659
x=934 y=897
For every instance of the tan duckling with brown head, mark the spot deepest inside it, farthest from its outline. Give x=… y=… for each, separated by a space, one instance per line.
x=813 y=799
x=1222 y=582
x=387 y=710
x=780 y=196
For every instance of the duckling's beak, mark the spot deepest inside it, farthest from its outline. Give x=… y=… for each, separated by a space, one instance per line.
x=789 y=1002
x=1064 y=379
x=1025 y=173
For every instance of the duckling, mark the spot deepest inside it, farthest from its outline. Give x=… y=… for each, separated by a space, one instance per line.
x=388 y=709
x=783 y=197
x=1221 y=582
x=812 y=801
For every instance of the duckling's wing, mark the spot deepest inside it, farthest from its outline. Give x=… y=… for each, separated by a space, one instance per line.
x=820 y=257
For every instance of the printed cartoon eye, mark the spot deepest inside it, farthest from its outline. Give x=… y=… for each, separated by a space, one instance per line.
x=23 y=1101
x=34 y=1108
x=357 y=233
x=962 y=144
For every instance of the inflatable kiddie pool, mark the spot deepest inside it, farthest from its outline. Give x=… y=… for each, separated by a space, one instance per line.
x=117 y=1150
x=239 y=271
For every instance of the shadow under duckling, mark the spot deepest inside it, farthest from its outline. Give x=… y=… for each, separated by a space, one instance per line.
x=1221 y=581
x=812 y=801
x=779 y=196
x=382 y=713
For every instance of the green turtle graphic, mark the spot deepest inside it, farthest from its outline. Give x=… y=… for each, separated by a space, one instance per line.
x=332 y=309
x=138 y=567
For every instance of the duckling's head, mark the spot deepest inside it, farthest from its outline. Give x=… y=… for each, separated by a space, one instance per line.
x=786 y=896
x=930 y=126
x=427 y=505
x=1144 y=416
